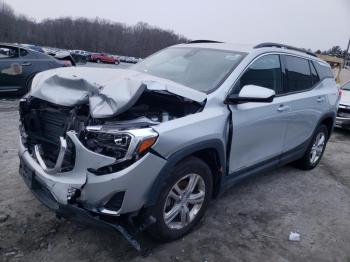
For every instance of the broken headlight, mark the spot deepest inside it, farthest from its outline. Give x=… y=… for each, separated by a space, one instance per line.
x=121 y=145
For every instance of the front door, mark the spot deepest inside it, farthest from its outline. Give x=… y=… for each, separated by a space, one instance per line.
x=258 y=128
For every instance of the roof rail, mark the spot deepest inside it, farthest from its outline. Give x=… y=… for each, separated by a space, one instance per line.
x=285 y=47
x=202 y=41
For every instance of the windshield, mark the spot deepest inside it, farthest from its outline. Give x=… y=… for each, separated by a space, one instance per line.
x=346 y=86
x=198 y=68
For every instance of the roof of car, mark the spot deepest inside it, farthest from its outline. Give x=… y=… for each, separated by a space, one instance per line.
x=222 y=46
x=246 y=48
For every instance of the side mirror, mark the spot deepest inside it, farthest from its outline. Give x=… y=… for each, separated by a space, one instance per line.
x=252 y=93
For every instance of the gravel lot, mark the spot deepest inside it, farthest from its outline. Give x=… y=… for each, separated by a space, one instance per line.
x=251 y=222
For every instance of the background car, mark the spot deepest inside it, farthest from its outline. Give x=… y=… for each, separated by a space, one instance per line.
x=19 y=65
x=80 y=56
x=343 y=116
x=131 y=59
x=104 y=58
x=33 y=47
x=122 y=59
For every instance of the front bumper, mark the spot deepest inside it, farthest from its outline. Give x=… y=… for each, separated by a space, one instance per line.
x=76 y=213
x=94 y=191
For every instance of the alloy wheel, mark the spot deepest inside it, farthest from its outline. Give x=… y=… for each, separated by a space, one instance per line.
x=184 y=201
x=317 y=147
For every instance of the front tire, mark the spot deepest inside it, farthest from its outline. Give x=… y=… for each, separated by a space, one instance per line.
x=183 y=201
x=315 y=150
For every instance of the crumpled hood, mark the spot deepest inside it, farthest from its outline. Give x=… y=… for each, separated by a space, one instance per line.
x=345 y=98
x=108 y=91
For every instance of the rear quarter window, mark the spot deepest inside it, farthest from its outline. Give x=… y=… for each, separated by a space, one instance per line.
x=323 y=71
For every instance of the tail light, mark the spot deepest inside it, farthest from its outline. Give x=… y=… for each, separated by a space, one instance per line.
x=67 y=63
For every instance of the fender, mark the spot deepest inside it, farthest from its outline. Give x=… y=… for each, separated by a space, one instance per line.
x=325 y=116
x=175 y=158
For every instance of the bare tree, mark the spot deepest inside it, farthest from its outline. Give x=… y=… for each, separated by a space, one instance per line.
x=95 y=35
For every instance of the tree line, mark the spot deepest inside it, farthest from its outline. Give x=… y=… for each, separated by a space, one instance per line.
x=94 y=35
x=335 y=51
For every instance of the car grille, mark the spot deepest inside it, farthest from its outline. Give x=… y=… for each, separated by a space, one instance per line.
x=44 y=127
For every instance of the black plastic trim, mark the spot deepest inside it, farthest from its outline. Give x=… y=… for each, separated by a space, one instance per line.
x=236 y=99
x=269 y=44
x=203 y=41
x=78 y=214
x=164 y=174
x=267 y=165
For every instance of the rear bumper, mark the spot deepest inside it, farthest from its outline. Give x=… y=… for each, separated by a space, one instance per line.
x=342 y=122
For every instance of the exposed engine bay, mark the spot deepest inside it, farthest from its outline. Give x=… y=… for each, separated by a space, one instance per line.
x=43 y=123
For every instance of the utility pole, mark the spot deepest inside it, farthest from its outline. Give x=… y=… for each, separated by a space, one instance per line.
x=347 y=54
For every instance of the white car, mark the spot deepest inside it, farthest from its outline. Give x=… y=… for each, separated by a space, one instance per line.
x=343 y=117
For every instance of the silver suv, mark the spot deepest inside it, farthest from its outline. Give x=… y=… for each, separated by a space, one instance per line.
x=149 y=147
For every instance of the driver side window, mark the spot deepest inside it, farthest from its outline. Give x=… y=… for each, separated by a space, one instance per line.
x=265 y=72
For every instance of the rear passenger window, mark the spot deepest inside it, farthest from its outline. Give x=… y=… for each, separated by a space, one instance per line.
x=298 y=74
x=314 y=75
x=265 y=72
x=323 y=71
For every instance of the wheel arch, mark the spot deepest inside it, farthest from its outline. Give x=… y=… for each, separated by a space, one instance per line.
x=212 y=152
x=328 y=120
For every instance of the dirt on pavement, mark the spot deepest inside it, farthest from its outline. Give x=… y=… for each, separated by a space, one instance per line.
x=250 y=222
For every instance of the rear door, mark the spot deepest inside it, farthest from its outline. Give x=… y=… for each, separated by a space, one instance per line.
x=305 y=98
x=33 y=62
x=258 y=128
x=30 y=64
x=11 y=70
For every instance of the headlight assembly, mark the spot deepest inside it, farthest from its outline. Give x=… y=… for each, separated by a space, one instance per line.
x=121 y=145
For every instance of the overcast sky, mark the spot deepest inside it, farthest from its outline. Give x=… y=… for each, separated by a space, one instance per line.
x=316 y=24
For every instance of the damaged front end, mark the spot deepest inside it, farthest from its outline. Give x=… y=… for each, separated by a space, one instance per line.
x=86 y=146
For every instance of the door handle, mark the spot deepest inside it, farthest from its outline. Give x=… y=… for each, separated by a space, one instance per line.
x=320 y=99
x=282 y=108
x=26 y=64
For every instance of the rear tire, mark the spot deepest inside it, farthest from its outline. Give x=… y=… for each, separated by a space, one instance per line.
x=314 y=152
x=177 y=213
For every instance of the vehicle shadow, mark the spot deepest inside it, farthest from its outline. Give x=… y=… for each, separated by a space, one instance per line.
x=342 y=131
